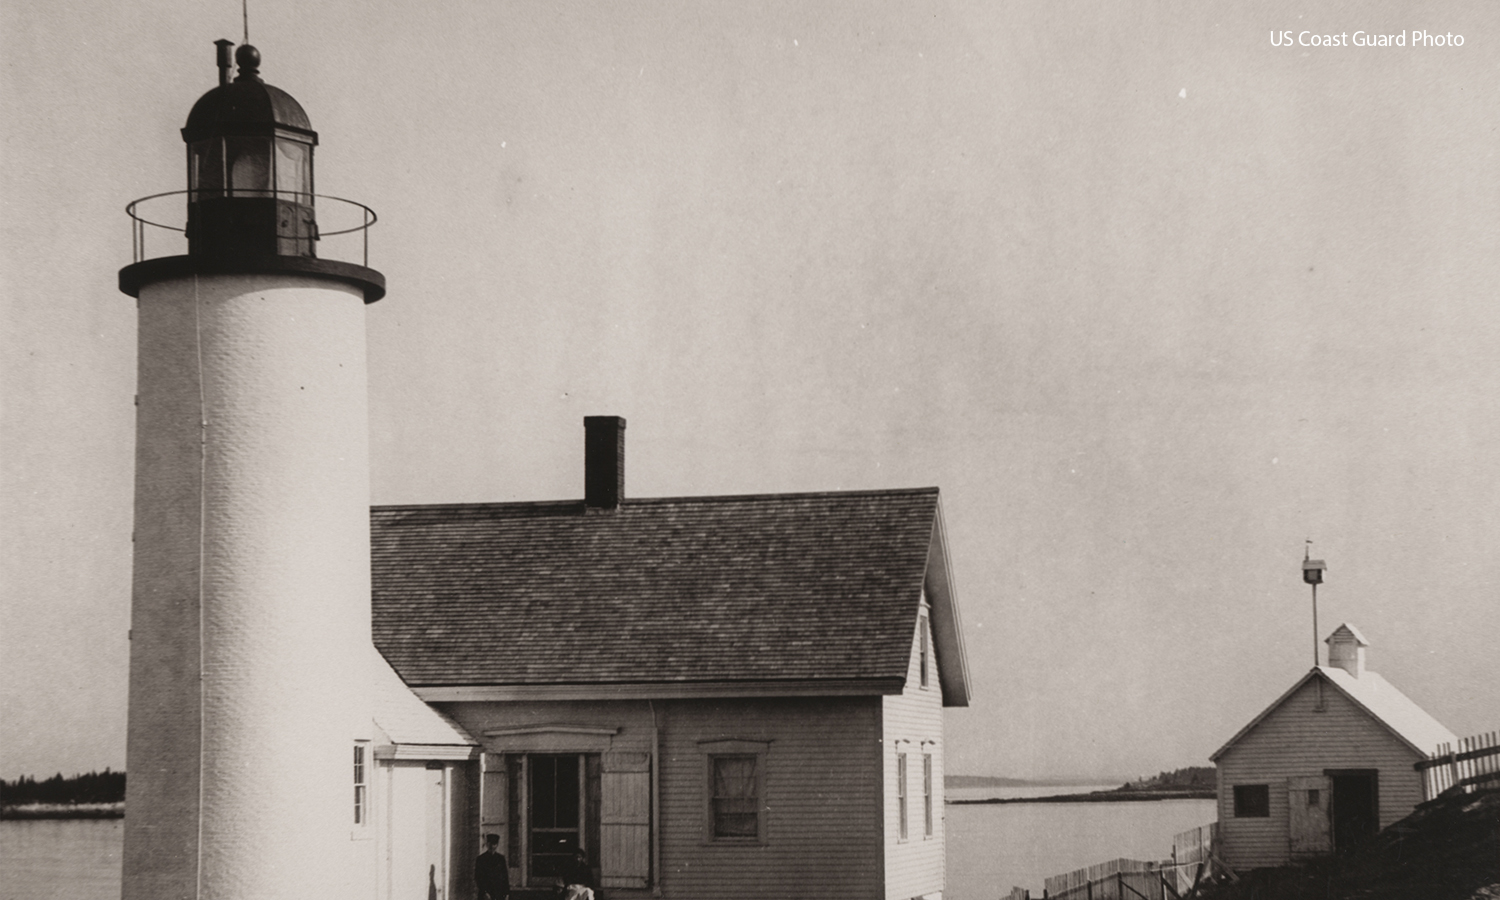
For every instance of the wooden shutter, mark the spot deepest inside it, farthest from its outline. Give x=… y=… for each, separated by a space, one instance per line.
x=625 y=820
x=492 y=799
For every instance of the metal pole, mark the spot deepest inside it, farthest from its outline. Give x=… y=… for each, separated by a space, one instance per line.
x=1315 y=625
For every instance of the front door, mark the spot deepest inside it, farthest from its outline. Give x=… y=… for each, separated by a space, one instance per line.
x=554 y=815
x=1308 y=799
x=1356 y=806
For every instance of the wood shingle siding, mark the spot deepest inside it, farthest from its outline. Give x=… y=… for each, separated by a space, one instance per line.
x=1296 y=739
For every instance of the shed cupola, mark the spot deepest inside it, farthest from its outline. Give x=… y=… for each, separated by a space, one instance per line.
x=1346 y=649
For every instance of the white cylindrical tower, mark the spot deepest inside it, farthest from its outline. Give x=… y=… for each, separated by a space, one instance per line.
x=250 y=611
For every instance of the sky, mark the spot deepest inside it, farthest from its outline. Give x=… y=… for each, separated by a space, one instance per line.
x=1151 y=299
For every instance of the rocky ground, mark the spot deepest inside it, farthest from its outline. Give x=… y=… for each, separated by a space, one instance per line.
x=1446 y=850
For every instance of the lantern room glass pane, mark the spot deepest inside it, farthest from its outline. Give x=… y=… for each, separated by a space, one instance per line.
x=248 y=160
x=294 y=170
x=206 y=169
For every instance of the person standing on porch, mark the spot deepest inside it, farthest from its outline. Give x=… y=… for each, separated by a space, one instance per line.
x=491 y=873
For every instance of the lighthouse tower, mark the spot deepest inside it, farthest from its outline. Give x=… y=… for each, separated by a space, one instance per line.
x=250 y=617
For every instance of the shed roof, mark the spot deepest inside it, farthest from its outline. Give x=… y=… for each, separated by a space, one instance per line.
x=1377 y=697
x=805 y=589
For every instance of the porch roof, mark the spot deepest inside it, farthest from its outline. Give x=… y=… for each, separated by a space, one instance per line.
x=405 y=720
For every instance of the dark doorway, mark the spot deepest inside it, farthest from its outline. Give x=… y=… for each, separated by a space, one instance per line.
x=1356 y=806
x=554 y=821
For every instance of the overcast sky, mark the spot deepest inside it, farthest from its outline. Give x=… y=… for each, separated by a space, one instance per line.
x=1151 y=299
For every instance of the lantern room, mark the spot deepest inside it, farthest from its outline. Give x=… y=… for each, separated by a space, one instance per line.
x=249 y=167
x=251 y=202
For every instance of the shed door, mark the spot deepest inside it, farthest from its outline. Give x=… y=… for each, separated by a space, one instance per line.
x=1307 y=821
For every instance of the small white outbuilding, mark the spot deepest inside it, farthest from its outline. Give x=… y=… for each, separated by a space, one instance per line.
x=1328 y=764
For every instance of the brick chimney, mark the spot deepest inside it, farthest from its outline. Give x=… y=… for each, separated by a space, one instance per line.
x=1346 y=649
x=603 y=462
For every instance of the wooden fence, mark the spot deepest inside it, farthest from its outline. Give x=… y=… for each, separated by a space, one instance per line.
x=1193 y=856
x=1192 y=863
x=1475 y=761
x=1117 y=879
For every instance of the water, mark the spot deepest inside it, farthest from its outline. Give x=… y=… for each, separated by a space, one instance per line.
x=60 y=859
x=990 y=847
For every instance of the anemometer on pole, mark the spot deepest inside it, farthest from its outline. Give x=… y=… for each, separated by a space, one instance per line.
x=1312 y=573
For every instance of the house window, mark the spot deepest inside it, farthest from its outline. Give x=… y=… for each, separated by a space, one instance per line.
x=735 y=800
x=1252 y=801
x=927 y=795
x=922 y=643
x=1312 y=797
x=361 y=787
x=901 y=790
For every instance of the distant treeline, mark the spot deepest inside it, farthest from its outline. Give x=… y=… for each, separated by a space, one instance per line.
x=988 y=781
x=95 y=787
x=1199 y=778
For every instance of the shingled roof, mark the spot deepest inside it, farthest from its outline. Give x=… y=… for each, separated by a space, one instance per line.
x=789 y=589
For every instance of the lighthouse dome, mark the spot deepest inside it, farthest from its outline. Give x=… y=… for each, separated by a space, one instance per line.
x=246 y=105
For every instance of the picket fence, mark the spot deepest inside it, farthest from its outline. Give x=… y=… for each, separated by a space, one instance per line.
x=1474 y=763
x=1116 y=879
x=1192 y=862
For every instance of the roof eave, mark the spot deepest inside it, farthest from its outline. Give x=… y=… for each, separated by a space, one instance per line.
x=670 y=690
x=947 y=627
x=426 y=752
x=1214 y=757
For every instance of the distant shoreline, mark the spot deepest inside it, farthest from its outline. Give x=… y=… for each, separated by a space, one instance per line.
x=1115 y=796
x=985 y=781
x=117 y=810
x=63 y=811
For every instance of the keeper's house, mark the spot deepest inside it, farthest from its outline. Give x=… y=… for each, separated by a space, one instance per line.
x=1327 y=765
x=713 y=697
